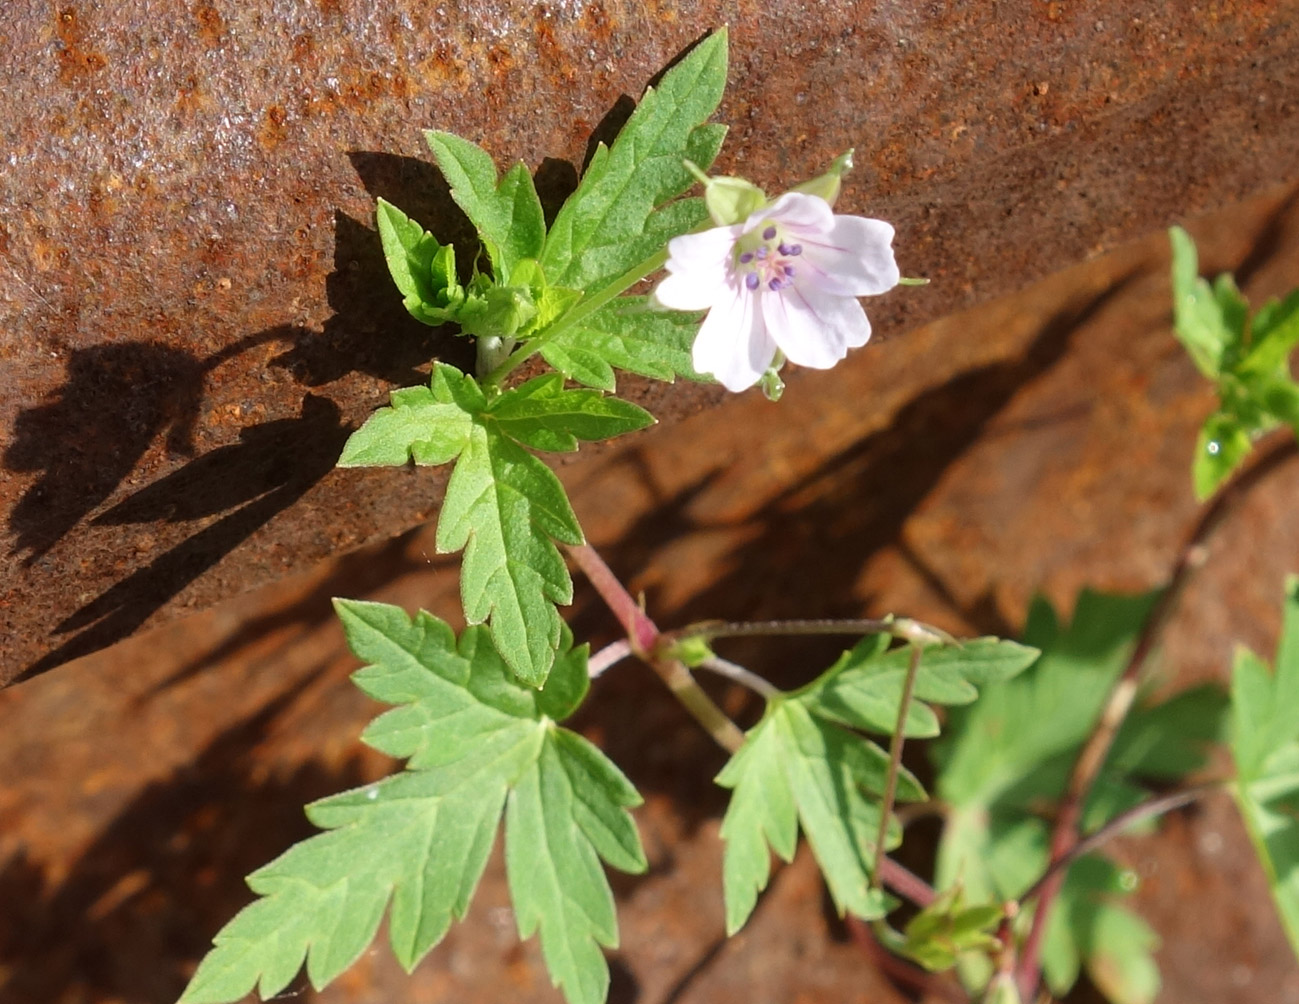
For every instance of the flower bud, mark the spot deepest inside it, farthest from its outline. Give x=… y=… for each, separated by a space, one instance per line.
x=729 y=200
x=826 y=186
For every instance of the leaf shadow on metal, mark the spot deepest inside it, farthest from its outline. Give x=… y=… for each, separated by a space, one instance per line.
x=118 y=400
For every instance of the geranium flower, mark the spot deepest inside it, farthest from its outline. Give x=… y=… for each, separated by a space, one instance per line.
x=786 y=279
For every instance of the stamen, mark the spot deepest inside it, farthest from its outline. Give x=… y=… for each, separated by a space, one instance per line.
x=794 y=251
x=783 y=248
x=769 y=233
x=751 y=280
x=761 y=253
x=746 y=257
x=789 y=270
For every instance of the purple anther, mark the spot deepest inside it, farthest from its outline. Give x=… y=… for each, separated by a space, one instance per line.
x=794 y=250
x=761 y=253
x=789 y=270
x=769 y=233
x=746 y=257
x=778 y=283
x=751 y=280
x=783 y=248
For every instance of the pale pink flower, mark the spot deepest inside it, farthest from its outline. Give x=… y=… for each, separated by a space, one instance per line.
x=785 y=279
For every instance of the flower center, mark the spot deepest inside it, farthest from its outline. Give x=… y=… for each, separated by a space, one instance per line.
x=765 y=260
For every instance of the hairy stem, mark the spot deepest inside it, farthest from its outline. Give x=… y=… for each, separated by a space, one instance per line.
x=895 y=763
x=744 y=677
x=643 y=637
x=898 y=627
x=1190 y=559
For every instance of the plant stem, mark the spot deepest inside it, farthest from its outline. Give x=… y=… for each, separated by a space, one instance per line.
x=1087 y=768
x=905 y=882
x=734 y=671
x=646 y=642
x=1156 y=806
x=643 y=637
x=610 y=655
x=899 y=627
x=895 y=763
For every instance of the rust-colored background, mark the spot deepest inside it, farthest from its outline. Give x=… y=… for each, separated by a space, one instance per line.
x=194 y=310
x=193 y=306
x=1047 y=447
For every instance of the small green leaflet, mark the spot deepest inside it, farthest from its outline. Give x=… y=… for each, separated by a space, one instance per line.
x=479 y=745
x=1265 y=747
x=801 y=766
x=423 y=269
x=503 y=505
x=1007 y=756
x=942 y=931
x=1247 y=358
x=507 y=214
x=621 y=212
x=624 y=334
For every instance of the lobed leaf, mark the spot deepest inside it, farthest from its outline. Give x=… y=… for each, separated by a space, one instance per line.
x=505 y=508
x=429 y=425
x=507 y=213
x=1265 y=748
x=545 y=416
x=617 y=217
x=480 y=744
x=624 y=334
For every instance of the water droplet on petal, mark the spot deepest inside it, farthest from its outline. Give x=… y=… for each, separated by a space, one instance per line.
x=1214 y=447
x=372 y=794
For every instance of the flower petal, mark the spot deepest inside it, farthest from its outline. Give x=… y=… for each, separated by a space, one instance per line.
x=854 y=259
x=814 y=328
x=699 y=269
x=733 y=344
x=804 y=215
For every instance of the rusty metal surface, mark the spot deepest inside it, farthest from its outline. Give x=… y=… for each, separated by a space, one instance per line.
x=193 y=307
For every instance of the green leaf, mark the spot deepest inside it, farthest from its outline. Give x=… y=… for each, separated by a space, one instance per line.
x=1005 y=760
x=1222 y=444
x=863 y=689
x=415 y=844
x=946 y=928
x=545 y=416
x=1265 y=748
x=620 y=213
x=624 y=334
x=1273 y=335
x=1247 y=358
x=565 y=813
x=429 y=425
x=507 y=214
x=504 y=506
x=424 y=270
x=798 y=769
x=1197 y=313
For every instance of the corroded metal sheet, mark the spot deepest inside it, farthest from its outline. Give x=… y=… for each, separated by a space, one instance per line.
x=193 y=306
